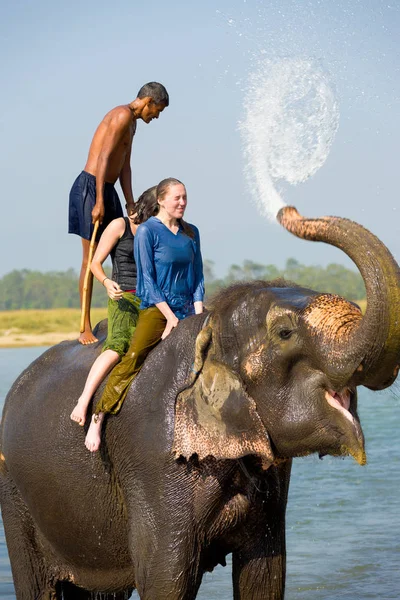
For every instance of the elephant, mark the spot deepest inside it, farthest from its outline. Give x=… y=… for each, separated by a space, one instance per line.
x=197 y=463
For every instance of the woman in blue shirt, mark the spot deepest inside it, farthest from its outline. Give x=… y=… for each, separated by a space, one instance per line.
x=170 y=284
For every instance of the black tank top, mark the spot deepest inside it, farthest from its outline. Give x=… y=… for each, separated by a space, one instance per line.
x=124 y=266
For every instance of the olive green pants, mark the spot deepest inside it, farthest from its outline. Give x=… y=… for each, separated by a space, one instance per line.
x=123 y=316
x=149 y=329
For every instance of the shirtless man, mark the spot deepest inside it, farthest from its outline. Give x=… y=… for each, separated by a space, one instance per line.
x=93 y=196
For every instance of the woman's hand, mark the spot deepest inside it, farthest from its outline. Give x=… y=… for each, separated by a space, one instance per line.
x=171 y=323
x=198 y=307
x=113 y=290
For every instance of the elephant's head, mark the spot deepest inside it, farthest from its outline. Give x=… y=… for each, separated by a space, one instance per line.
x=277 y=366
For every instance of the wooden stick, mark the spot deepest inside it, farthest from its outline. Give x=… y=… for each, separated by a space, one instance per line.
x=86 y=280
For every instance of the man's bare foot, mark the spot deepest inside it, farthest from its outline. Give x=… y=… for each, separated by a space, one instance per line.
x=79 y=413
x=87 y=337
x=93 y=436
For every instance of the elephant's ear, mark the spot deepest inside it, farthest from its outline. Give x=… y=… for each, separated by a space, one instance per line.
x=215 y=417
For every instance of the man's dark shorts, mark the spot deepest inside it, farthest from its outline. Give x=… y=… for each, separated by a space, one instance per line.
x=82 y=199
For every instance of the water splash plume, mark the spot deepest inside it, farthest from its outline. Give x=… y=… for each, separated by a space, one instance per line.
x=291 y=116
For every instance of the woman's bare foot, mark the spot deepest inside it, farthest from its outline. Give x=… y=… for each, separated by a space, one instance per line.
x=87 y=337
x=79 y=413
x=93 y=436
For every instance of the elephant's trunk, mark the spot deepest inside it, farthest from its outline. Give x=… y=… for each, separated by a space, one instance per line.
x=371 y=351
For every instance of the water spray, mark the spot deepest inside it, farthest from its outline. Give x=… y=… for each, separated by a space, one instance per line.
x=291 y=118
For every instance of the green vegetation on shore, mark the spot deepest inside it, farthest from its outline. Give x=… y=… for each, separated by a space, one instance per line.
x=43 y=308
x=35 y=290
x=334 y=279
x=38 y=322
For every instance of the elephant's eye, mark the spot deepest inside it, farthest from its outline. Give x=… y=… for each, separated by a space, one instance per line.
x=285 y=334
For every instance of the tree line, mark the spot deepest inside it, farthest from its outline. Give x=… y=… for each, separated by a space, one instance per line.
x=334 y=278
x=23 y=289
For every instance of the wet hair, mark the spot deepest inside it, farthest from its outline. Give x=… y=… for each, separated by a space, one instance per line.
x=162 y=189
x=146 y=206
x=155 y=91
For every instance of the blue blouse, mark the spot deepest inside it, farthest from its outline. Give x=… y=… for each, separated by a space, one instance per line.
x=169 y=267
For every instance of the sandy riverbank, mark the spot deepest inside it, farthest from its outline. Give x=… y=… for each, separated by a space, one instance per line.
x=20 y=340
x=22 y=328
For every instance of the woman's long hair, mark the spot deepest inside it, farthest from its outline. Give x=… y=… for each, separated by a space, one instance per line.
x=146 y=205
x=161 y=191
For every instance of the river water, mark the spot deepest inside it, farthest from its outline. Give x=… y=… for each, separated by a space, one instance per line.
x=343 y=521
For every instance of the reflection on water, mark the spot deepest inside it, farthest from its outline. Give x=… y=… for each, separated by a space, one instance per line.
x=343 y=520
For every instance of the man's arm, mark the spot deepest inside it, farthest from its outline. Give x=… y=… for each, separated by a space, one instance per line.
x=117 y=128
x=125 y=180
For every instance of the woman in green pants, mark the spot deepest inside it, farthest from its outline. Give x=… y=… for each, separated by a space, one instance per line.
x=170 y=285
x=123 y=304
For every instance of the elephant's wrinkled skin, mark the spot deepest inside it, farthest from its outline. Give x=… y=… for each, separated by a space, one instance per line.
x=197 y=464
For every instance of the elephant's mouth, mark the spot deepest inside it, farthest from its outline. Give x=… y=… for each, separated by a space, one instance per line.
x=341 y=401
x=350 y=438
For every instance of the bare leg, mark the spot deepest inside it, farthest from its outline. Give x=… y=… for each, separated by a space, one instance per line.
x=101 y=366
x=86 y=337
x=93 y=436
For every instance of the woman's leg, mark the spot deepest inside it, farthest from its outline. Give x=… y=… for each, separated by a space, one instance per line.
x=101 y=366
x=93 y=436
x=147 y=335
x=122 y=319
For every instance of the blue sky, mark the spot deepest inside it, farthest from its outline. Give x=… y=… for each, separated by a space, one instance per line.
x=65 y=64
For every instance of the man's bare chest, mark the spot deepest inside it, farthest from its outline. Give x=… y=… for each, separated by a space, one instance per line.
x=128 y=137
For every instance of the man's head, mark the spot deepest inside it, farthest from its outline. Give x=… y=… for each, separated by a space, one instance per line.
x=153 y=98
